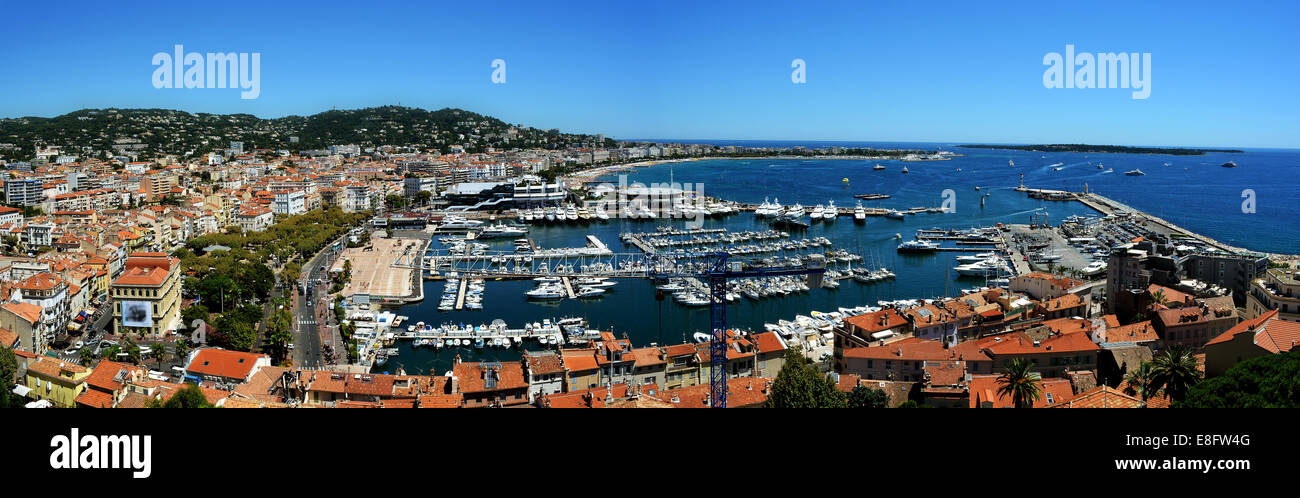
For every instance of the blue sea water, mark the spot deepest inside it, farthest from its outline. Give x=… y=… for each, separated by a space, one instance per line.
x=1194 y=192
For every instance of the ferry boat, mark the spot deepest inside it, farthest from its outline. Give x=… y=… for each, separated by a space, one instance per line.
x=1136 y=172
x=917 y=246
x=859 y=214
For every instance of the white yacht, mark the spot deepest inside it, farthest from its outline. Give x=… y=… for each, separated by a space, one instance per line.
x=796 y=211
x=546 y=292
x=977 y=257
x=502 y=230
x=457 y=222
x=831 y=212
x=992 y=267
x=859 y=213
x=816 y=214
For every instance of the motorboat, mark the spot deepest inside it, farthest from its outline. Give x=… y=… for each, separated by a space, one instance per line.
x=1229 y=164
x=878 y=167
x=831 y=212
x=589 y=292
x=859 y=213
x=992 y=267
x=502 y=230
x=894 y=214
x=816 y=214
x=702 y=337
x=918 y=246
x=1135 y=172
x=904 y=169
x=545 y=292
x=977 y=257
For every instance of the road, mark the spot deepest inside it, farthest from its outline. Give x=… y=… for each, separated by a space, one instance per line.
x=309 y=349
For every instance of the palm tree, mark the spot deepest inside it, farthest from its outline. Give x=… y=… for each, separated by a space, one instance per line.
x=1139 y=381
x=1021 y=385
x=1175 y=370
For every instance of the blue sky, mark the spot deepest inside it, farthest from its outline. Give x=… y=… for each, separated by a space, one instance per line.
x=1222 y=75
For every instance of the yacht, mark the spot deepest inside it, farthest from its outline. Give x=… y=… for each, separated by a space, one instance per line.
x=1094 y=268
x=589 y=292
x=545 y=292
x=976 y=258
x=878 y=167
x=501 y=230
x=550 y=214
x=1136 y=172
x=601 y=214
x=457 y=222
x=584 y=214
x=904 y=169
x=795 y=211
x=894 y=213
x=992 y=267
x=917 y=246
x=831 y=212
x=1011 y=163
x=571 y=213
x=859 y=214
x=816 y=214
x=1229 y=164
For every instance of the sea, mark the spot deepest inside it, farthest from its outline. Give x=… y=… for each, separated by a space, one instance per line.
x=1194 y=192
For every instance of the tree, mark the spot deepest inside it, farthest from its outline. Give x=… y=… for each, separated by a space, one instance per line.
x=189 y=396
x=8 y=369
x=1139 y=381
x=1175 y=370
x=800 y=385
x=1271 y=381
x=234 y=333
x=1019 y=384
x=866 y=397
x=423 y=196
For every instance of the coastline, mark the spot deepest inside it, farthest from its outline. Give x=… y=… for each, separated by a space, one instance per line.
x=1091 y=199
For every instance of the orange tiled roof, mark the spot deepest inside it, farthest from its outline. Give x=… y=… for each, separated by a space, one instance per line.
x=224 y=363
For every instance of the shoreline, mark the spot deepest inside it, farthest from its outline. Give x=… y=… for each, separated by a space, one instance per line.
x=1289 y=258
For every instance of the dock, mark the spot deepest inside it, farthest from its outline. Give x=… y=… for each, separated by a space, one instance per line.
x=460 y=295
x=568 y=288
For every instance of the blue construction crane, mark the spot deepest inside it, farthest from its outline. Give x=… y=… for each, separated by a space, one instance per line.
x=716 y=270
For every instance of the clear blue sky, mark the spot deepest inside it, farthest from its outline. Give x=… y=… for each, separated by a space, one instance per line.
x=1224 y=73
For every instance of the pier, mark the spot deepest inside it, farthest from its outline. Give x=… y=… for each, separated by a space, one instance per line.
x=460 y=295
x=568 y=288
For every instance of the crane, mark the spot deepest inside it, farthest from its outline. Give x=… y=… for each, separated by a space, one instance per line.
x=715 y=269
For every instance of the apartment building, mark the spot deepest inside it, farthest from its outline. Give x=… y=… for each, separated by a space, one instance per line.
x=146 y=297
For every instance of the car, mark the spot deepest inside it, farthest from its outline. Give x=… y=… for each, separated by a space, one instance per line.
x=79 y=345
x=290 y=346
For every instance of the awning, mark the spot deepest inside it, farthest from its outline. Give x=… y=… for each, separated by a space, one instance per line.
x=74 y=326
x=22 y=390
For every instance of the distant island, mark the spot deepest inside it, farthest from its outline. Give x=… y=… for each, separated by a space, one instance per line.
x=1118 y=149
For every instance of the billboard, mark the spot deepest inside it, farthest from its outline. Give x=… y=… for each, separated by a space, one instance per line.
x=137 y=314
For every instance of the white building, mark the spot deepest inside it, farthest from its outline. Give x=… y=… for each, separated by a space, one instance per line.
x=290 y=202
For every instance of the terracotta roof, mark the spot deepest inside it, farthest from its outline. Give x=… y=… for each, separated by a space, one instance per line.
x=1271 y=333
x=470 y=376
x=984 y=388
x=579 y=360
x=1134 y=332
x=51 y=367
x=92 y=398
x=29 y=312
x=541 y=364
x=877 y=321
x=1100 y=397
x=105 y=372
x=224 y=363
x=741 y=392
x=8 y=338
